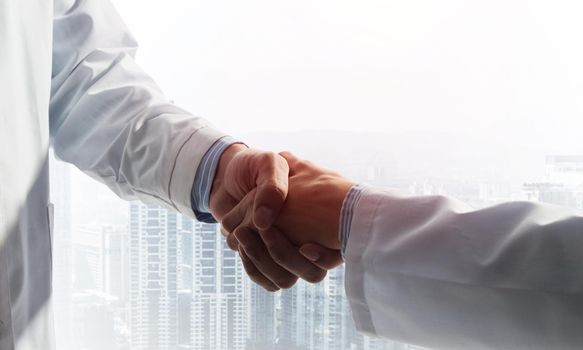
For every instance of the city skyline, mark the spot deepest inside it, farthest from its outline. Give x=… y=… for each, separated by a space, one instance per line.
x=163 y=281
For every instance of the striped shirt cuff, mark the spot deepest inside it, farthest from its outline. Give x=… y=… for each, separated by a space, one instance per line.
x=203 y=180
x=347 y=213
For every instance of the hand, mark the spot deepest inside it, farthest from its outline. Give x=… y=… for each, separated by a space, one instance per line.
x=311 y=213
x=242 y=170
x=262 y=255
x=261 y=178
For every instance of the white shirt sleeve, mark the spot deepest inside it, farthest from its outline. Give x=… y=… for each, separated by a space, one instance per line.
x=434 y=272
x=111 y=120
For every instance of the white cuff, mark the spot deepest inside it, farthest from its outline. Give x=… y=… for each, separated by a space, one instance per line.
x=360 y=229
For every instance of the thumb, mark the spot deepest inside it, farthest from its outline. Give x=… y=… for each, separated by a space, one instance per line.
x=272 y=188
x=322 y=257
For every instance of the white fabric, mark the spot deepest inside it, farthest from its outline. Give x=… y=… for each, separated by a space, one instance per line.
x=433 y=272
x=67 y=74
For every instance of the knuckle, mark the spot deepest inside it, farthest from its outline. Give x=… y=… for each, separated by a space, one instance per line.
x=227 y=224
x=267 y=157
x=226 y=230
x=279 y=191
x=280 y=161
x=232 y=243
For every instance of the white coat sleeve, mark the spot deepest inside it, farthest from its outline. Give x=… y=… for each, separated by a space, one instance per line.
x=109 y=118
x=434 y=272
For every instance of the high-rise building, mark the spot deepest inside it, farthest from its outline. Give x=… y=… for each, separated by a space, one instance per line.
x=89 y=267
x=185 y=282
x=218 y=308
x=301 y=317
x=317 y=317
x=186 y=286
x=116 y=262
x=153 y=277
x=262 y=318
x=101 y=262
x=337 y=319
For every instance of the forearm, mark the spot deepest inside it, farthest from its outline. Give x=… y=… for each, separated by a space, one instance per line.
x=434 y=272
x=110 y=119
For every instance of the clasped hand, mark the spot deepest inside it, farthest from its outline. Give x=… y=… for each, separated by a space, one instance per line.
x=280 y=213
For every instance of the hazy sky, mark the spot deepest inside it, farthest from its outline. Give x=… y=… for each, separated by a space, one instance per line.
x=502 y=69
x=506 y=75
x=498 y=72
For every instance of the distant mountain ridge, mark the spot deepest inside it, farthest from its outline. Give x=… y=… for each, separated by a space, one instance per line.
x=443 y=155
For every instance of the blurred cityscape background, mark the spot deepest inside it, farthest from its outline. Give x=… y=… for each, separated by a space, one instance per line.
x=481 y=101
x=140 y=277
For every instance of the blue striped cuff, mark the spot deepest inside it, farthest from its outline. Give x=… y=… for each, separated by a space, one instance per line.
x=347 y=213
x=203 y=180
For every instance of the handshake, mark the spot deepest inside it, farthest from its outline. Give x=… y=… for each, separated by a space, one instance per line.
x=281 y=213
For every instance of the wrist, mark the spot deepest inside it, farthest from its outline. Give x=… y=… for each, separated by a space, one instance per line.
x=313 y=208
x=226 y=157
x=338 y=191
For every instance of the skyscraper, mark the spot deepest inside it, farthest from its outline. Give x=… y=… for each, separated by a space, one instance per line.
x=317 y=317
x=185 y=282
x=218 y=308
x=153 y=278
x=337 y=320
x=262 y=318
x=301 y=317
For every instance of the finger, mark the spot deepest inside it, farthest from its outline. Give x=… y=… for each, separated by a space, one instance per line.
x=221 y=203
x=232 y=242
x=284 y=253
x=254 y=273
x=291 y=159
x=239 y=214
x=272 y=187
x=224 y=232
x=259 y=256
x=324 y=258
x=295 y=163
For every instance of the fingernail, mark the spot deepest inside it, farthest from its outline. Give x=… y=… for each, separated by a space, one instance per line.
x=310 y=255
x=263 y=217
